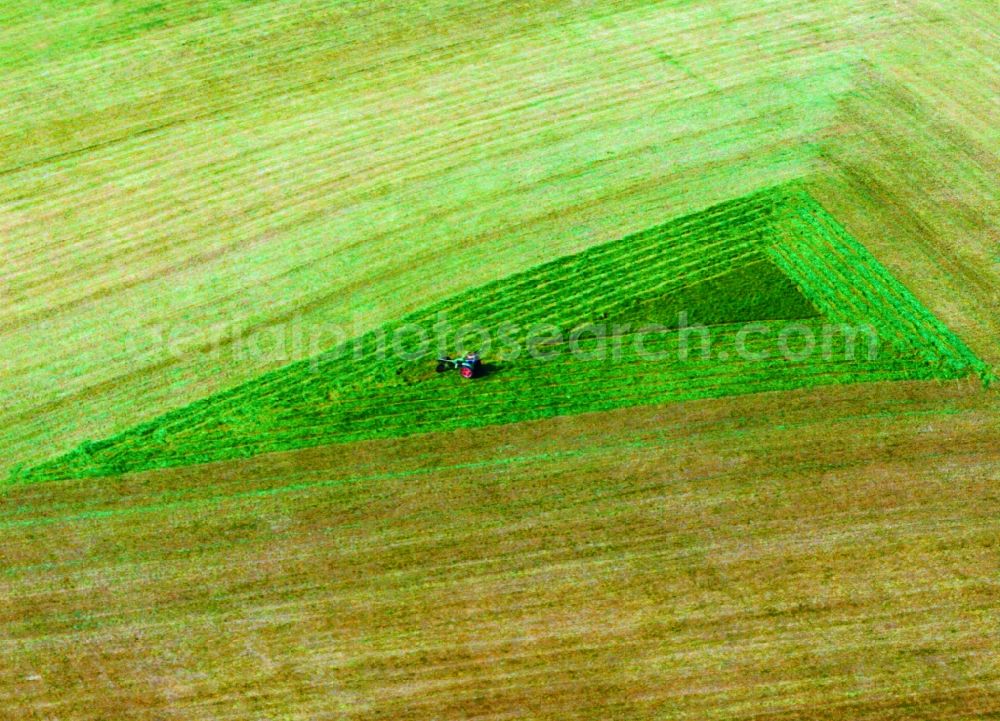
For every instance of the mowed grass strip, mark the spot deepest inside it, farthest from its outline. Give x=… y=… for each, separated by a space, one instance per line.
x=523 y=571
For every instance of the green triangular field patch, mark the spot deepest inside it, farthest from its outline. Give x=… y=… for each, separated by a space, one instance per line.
x=783 y=294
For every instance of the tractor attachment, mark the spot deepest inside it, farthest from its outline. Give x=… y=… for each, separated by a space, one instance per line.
x=469 y=365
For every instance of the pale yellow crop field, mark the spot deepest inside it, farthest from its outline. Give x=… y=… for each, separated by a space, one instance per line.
x=829 y=554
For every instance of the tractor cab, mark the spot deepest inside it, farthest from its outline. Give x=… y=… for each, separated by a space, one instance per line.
x=470 y=365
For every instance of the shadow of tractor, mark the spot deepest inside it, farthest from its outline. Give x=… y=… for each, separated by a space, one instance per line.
x=487 y=370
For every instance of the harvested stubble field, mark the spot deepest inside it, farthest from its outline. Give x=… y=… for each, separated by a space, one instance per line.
x=220 y=168
x=807 y=555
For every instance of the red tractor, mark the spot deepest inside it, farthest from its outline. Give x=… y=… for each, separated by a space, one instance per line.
x=469 y=365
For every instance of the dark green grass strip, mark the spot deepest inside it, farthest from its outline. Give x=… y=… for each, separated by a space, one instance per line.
x=770 y=258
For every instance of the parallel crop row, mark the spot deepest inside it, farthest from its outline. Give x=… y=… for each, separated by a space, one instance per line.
x=850 y=286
